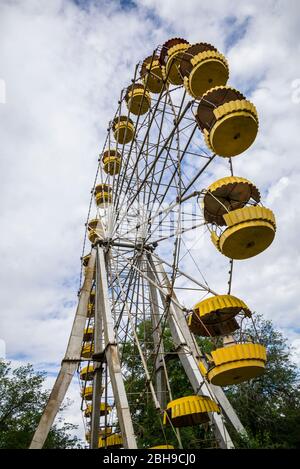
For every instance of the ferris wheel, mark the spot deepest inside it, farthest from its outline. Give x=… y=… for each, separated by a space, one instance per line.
x=175 y=119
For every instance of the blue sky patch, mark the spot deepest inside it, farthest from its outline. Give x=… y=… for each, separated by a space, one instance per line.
x=86 y=4
x=236 y=30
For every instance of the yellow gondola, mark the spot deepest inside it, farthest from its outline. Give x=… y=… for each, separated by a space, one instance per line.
x=170 y=57
x=138 y=99
x=88 y=334
x=235 y=364
x=92 y=230
x=151 y=73
x=115 y=441
x=87 y=393
x=162 y=447
x=250 y=230
x=190 y=410
x=228 y=121
x=215 y=316
x=225 y=195
x=91 y=310
x=91 y=304
x=87 y=350
x=103 y=195
x=105 y=431
x=203 y=68
x=87 y=373
x=111 y=160
x=123 y=129
x=104 y=409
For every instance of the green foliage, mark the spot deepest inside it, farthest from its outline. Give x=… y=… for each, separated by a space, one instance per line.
x=22 y=401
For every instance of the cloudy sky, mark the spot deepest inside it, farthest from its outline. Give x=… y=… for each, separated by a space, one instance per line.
x=63 y=64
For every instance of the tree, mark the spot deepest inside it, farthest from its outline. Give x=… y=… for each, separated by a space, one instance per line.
x=22 y=400
x=268 y=406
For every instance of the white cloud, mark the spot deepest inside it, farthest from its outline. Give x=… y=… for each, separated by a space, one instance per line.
x=64 y=67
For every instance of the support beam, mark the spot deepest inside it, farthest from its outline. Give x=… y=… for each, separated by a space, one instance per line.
x=69 y=363
x=98 y=366
x=113 y=359
x=162 y=383
x=160 y=377
x=189 y=357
